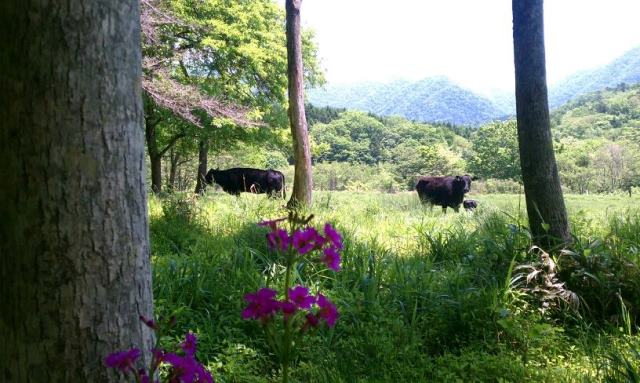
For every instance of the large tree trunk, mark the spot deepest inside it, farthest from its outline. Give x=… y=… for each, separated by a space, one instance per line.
x=75 y=272
x=203 y=149
x=302 y=181
x=545 y=204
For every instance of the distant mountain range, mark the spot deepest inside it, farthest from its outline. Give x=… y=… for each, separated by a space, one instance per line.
x=438 y=99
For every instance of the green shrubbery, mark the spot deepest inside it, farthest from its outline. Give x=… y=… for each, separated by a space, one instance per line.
x=422 y=296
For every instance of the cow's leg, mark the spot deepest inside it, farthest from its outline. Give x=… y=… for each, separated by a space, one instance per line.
x=456 y=208
x=271 y=193
x=444 y=210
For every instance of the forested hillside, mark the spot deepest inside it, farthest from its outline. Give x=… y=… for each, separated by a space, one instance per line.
x=437 y=99
x=434 y=99
x=625 y=69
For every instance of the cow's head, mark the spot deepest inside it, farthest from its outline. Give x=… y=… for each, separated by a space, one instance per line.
x=467 y=182
x=211 y=175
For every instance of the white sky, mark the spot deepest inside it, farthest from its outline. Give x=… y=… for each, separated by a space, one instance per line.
x=469 y=41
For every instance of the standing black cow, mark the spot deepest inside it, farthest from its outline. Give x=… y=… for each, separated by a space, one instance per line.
x=237 y=180
x=443 y=191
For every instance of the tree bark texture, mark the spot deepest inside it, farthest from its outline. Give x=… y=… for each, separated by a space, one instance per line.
x=203 y=149
x=545 y=203
x=75 y=271
x=302 y=181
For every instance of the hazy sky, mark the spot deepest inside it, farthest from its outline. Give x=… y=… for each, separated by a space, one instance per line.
x=469 y=41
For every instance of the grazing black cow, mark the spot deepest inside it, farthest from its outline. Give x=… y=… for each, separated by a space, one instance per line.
x=443 y=191
x=469 y=204
x=237 y=180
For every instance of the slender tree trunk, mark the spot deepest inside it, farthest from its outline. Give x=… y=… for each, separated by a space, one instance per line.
x=175 y=160
x=74 y=256
x=203 y=149
x=155 y=158
x=545 y=204
x=302 y=181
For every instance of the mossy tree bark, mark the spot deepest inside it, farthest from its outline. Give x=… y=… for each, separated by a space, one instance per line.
x=545 y=203
x=75 y=271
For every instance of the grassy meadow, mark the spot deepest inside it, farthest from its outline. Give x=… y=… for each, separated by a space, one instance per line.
x=422 y=296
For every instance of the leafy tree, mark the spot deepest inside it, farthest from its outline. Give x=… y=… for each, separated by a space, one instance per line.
x=495 y=151
x=545 y=205
x=167 y=42
x=355 y=137
x=413 y=160
x=75 y=271
x=232 y=52
x=576 y=164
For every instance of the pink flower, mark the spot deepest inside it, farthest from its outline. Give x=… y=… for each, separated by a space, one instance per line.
x=333 y=236
x=261 y=304
x=278 y=240
x=186 y=369
x=328 y=310
x=189 y=344
x=272 y=224
x=307 y=240
x=122 y=360
x=300 y=297
x=331 y=258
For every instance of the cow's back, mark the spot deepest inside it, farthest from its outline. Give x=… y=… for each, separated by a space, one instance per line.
x=439 y=190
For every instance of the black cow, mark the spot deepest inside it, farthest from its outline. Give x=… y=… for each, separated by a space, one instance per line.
x=237 y=180
x=469 y=204
x=443 y=191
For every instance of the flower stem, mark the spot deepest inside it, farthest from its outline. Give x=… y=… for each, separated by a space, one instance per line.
x=287 y=321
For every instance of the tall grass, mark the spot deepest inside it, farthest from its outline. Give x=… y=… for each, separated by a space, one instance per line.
x=422 y=296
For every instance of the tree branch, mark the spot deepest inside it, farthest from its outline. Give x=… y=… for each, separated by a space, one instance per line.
x=172 y=142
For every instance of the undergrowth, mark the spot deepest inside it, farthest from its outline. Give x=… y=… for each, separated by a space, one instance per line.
x=422 y=296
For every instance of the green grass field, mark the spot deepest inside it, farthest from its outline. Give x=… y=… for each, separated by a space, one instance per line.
x=422 y=296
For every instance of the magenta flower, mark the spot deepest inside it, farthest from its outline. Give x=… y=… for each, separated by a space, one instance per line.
x=272 y=224
x=307 y=240
x=287 y=308
x=333 y=236
x=300 y=297
x=189 y=344
x=278 y=240
x=261 y=304
x=122 y=360
x=187 y=370
x=328 y=310
x=331 y=258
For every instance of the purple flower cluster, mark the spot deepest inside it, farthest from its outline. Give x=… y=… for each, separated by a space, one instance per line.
x=263 y=305
x=306 y=240
x=184 y=368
